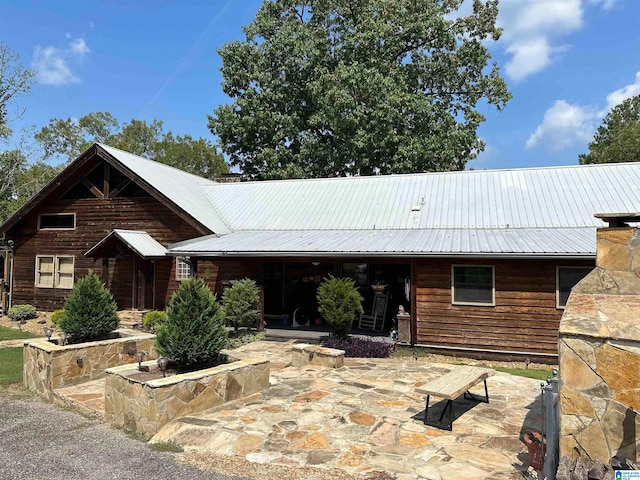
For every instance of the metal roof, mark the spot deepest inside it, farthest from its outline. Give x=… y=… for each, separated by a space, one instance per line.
x=553 y=197
x=140 y=242
x=182 y=188
x=569 y=242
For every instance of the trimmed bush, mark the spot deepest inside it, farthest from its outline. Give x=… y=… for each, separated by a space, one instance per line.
x=18 y=313
x=194 y=332
x=90 y=310
x=244 y=337
x=241 y=302
x=57 y=316
x=152 y=320
x=339 y=303
x=360 y=347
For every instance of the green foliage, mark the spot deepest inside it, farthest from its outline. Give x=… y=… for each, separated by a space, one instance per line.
x=18 y=313
x=10 y=365
x=241 y=301
x=324 y=88
x=194 y=332
x=7 y=333
x=69 y=138
x=166 y=447
x=152 y=320
x=57 y=316
x=243 y=337
x=618 y=138
x=339 y=303
x=90 y=310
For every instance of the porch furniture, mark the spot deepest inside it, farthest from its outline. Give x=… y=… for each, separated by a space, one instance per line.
x=375 y=319
x=453 y=384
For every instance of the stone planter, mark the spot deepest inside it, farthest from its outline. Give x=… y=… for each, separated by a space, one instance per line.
x=48 y=366
x=146 y=406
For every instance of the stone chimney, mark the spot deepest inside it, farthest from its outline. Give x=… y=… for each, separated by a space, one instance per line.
x=599 y=350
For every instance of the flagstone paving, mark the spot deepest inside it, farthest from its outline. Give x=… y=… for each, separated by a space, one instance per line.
x=365 y=417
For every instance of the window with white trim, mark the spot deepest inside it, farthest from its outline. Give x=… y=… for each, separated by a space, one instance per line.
x=54 y=271
x=184 y=268
x=473 y=285
x=57 y=221
x=566 y=279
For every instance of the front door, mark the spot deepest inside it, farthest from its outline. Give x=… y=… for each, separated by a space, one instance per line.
x=144 y=285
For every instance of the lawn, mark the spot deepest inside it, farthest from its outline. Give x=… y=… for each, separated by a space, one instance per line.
x=10 y=365
x=7 y=333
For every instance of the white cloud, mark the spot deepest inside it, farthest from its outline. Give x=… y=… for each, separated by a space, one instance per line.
x=618 y=96
x=531 y=31
x=563 y=125
x=52 y=63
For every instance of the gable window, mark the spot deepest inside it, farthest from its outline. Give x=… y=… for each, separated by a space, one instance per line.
x=63 y=221
x=566 y=279
x=184 y=268
x=54 y=271
x=473 y=285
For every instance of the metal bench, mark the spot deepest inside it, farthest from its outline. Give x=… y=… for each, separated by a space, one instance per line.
x=453 y=384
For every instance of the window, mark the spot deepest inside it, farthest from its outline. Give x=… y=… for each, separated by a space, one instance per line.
x=63 y=221
x=53 y=271
x=184 y=268
x=473 y=285
x=566 y=279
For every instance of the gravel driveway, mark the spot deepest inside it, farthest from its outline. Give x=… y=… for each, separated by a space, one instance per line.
x=40 y=442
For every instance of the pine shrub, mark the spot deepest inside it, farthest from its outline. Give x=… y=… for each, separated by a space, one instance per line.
x=152 y=320
x=18 y=313
x=194 y=332
x=241 y=301
x=339 y=303
x=90 y=310
x=57 y=316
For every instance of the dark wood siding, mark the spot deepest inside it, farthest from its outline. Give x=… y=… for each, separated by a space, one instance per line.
x=95 y=218
x=524 y=318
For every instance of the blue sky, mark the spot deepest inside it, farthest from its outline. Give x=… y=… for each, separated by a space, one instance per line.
x=566 y=62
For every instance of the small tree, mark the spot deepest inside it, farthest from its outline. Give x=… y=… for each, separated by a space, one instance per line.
x=194 y=332
x=241 y=302
x=90 y=310
x=339 y=303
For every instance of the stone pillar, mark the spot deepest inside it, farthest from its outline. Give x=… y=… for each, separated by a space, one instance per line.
x=404 y=327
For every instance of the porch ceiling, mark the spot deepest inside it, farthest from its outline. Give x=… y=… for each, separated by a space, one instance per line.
x=558 y=242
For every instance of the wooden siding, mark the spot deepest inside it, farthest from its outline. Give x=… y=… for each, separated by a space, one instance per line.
x=95 y=218
x=524 y=318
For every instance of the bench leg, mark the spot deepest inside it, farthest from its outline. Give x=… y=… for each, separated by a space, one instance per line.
x=470 y=395
x=448 y=407
x=426 y=411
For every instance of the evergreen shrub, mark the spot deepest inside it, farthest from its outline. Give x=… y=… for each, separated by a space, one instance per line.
x=90 y=310
x=339 y=302
x=241 y=301
x=195 y=331
x=152 y=320
x=57 y=316
x=18 y=313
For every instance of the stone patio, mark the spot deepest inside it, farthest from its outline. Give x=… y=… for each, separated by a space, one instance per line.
x=362 y=418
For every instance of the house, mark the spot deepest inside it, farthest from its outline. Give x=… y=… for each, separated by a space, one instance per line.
x=483 y=260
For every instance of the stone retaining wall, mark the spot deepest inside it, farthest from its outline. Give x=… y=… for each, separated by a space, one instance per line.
x=48 y=366
x=306 y=354
x=147 y=406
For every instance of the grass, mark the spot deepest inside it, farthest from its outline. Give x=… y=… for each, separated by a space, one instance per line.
x=166 y=447
x=10 y=365
x=7 y=333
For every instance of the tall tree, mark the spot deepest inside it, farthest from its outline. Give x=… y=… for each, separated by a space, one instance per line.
x=15 y=80
x=358 y=87
x=618 y=138
x=67 y=138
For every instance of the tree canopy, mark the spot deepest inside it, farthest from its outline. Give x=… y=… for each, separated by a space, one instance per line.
x=618 y=138
x=358 y=87
x=67 y=138
x=15 y=80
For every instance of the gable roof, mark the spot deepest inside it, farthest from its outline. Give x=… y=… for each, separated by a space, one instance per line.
x=137 y=240
x=180 y=189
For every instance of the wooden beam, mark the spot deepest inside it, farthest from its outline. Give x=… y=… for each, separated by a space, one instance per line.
x=95 y=190
x=105 y=181
x=119 y=188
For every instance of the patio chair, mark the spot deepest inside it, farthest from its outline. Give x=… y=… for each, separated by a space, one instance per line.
x=374 y=320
